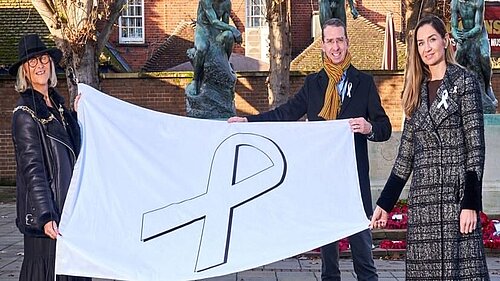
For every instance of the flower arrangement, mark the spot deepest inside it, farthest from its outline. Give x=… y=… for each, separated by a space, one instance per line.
x=398 y=217
x=389 y=244
x=491 y=236
x=343 y=245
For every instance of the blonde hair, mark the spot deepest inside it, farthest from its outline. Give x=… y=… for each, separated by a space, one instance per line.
x=23 y=83
x=416 y=70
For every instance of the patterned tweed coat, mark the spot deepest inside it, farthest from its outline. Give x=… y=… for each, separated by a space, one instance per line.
x=440 y=144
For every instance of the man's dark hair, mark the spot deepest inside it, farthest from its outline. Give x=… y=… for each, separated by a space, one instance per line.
x=333 y=22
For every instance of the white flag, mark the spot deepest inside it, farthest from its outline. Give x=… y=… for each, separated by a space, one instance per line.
x=162 y=197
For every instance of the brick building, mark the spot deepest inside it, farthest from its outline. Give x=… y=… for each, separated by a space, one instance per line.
x=153 y=35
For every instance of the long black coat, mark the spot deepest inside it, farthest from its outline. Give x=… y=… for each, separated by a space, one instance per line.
x=45 y=158
x=363 y=101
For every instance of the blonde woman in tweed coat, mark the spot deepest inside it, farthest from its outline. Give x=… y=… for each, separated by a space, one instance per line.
x=443 y=145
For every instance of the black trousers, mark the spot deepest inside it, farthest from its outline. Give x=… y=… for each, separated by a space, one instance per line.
x=362 y=258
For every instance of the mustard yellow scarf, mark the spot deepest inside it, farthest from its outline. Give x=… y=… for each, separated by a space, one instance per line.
x=331 y=106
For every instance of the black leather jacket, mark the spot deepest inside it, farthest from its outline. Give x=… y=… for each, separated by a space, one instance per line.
x=44 y=162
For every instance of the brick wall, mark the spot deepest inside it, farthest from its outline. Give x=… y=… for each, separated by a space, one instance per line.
x=376 y=12
x=8 y=99
x=302 y=12
x=165 y=92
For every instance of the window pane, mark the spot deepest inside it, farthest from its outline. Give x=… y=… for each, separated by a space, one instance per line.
x=254 y=11
x=131 y=22
x=257 y=11
x=256 y=16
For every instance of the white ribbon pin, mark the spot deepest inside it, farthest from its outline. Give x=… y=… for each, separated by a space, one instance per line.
x=349 y=86
x=444 y=98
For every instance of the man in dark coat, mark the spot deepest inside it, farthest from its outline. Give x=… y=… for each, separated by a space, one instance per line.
x=340 y=91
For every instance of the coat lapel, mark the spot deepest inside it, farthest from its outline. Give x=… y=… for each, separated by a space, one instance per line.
x=34 y=100
x=445 y=103
x=353 y=81
x=421 y=116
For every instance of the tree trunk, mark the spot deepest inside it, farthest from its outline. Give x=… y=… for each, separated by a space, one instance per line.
x=72 y=24
x=278 y=16
x=81 y=68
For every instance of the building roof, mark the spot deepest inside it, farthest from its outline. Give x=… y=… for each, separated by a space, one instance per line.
x=366 y=44
x=238 y=61
x=18 y=18
x=167 y=54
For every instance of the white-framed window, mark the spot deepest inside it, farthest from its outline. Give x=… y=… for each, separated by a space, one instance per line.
x=256 y=13
x=131 y=23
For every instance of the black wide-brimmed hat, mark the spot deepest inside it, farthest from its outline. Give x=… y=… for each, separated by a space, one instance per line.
x=31 y=46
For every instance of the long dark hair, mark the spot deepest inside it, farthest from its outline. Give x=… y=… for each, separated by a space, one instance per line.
x=416 y=69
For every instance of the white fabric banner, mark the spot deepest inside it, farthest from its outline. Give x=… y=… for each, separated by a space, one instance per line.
x=162 y=197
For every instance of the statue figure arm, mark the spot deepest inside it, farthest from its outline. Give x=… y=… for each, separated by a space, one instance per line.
x=225 y=17
x=455 y=32
x=478 y=20
x=212 y=18
x=354 y=11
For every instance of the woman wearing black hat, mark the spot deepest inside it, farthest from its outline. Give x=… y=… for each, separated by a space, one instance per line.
x=46 y=140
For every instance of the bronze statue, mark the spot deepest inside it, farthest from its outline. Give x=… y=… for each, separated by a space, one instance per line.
x=473 y=48
x=335 y=9
x=211 y=93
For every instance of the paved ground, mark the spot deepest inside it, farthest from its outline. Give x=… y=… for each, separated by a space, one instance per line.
x=300 y=268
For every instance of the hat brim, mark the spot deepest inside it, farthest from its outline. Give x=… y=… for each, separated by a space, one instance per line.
x=54 y=53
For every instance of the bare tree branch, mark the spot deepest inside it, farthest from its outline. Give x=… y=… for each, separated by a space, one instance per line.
x=48 y=13
x=73 y=25
x=115 y=11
